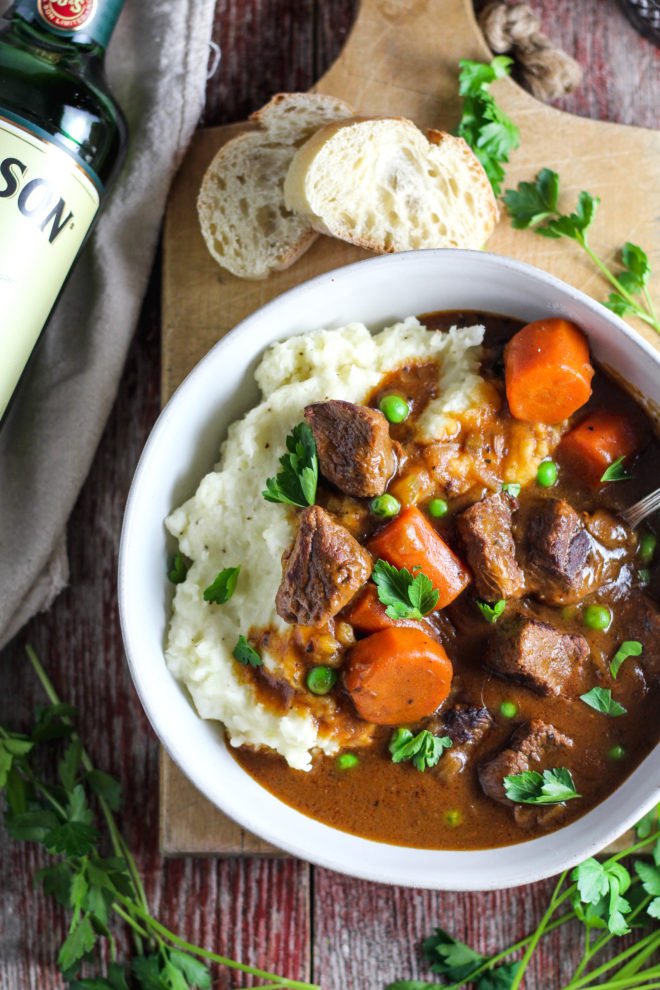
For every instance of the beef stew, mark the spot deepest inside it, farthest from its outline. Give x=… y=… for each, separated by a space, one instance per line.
x=547 y=585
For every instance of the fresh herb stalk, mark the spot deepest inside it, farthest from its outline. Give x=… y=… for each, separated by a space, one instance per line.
x=534 y=205
x=597 y=900
x=58 y=816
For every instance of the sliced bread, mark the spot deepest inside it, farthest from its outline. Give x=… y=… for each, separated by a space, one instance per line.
x=240 y=205
x=381 y=184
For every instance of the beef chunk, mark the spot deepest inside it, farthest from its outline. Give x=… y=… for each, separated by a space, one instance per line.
x=539 y=656
x=466 y=726
x=644 y=626
x=536 y=745
x=485 y=529
x=322 y=570
x=353 y=442
x=558 y=547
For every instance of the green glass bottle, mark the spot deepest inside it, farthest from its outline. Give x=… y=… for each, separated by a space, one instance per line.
x=62 y=142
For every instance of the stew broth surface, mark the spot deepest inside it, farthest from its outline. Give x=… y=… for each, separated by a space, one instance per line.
x=396 y=803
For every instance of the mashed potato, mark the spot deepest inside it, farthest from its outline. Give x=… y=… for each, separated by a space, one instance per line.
x=228 y=522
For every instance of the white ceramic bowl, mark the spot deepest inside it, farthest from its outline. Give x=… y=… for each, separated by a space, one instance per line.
x=184 y=445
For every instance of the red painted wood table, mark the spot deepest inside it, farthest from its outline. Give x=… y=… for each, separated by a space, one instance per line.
x=281 y=915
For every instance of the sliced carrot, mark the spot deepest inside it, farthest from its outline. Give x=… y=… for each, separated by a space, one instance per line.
x=366 y=613
x=547 y=371
x=411 y=541
x=599 y=440
x=397 y=676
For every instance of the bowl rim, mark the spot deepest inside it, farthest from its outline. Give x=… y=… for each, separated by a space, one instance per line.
x=362 y=864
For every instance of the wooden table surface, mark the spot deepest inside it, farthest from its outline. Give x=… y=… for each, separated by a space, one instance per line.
x=281 y=915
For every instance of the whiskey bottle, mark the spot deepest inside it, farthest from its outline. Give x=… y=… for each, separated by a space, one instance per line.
x=62 y=142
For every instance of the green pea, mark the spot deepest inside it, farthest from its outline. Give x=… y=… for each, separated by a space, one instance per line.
x=509 y=709
x=320 y=680
x=616 y=753
x=647 y=545
x=643 y=576
x=546 y=474
x=385 y=505
x=453 y=817
x=345 y=761
x=394 y=408
x=597 y=616
x=438 y=508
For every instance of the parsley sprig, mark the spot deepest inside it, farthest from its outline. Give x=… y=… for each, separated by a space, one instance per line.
x=550 y=787
x=424 y=749
x=534 y=205
x=407 y=596
x=491 y=134
x=591 y=895
x=296 y=482
x=59 y=816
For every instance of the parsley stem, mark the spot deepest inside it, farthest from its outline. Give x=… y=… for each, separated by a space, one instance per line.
x=493 y=960
x=585 y=981
x=118 y=843
x=649 y=318
x=160 y=930
x=555 y=901
x=129 y=920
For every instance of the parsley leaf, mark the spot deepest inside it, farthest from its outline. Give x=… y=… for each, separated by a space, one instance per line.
x=616 y=471
x=223 y=587
x=650 y=877
x=246 y=654
x=650 y=822
x=596 y=881
x=511 y=488
x=629 y=648
x=491 y=613
x=406 y=596
x=531 y=787
x=459 y=964
x=534 y=204
x=296 y=483
x=490 y=133
x=424 y=749
x=178 y=570
x=602 y=701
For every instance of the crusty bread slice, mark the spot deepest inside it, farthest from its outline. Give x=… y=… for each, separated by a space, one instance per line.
x=381 y=184
x=240 y=205
x=291 y=118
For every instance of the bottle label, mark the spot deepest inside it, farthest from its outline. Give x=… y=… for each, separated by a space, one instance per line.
x=67 y=16
x=79 y=20
x=47 y=205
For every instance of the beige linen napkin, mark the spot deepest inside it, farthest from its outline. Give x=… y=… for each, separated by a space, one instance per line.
x=156 y=65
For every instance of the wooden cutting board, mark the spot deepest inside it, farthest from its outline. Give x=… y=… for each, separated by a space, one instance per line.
x=401 y=58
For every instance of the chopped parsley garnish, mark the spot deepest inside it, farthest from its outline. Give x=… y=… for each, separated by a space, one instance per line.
x=246 y=654
x=616 y=471
x=601 y=699
x=424 y=749
x=531 y=787
x=491 y=613
x=629 y=648
x=296 y=482
x=490 y=132
x=224 y=586
x=511 y=488
x=406 y=595
x=178 y=570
